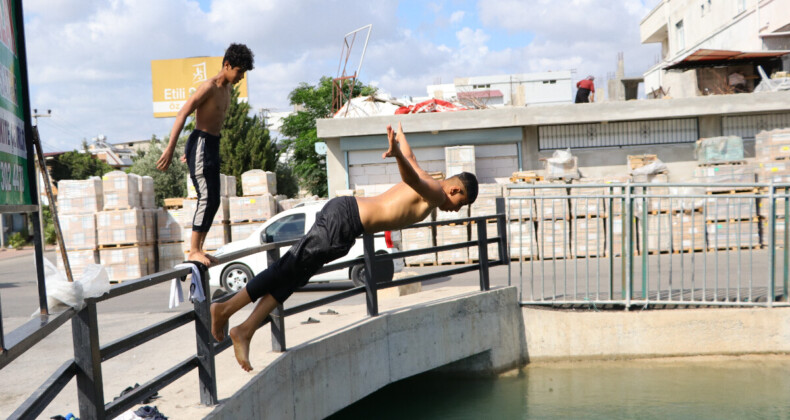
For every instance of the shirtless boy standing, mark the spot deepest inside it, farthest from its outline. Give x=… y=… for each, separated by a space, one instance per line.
x=211 y=101
x=336 y=229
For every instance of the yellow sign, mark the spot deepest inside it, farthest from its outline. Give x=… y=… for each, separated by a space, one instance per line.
x=175 y=80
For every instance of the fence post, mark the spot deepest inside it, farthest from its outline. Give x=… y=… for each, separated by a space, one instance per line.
x=87 y=358
x=278 y=314
x=482 y=249
x=628 y=274
x=371 y=294
x=501 y=222
x=772 y=243
x=207 y=374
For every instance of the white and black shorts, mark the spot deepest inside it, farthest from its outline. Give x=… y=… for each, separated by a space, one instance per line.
x=202 y=152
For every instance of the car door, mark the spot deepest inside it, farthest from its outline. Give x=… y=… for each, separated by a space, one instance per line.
x=285 y=229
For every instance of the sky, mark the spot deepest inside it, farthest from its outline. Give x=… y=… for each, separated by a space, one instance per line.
x=89 y=61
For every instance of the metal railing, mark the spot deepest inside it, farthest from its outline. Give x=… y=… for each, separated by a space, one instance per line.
x=89 y=354
x=650 y=244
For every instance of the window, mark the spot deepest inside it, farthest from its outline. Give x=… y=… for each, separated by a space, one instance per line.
x=681 y=39
x=549 y=82
x=287 y=228
x=487 y=86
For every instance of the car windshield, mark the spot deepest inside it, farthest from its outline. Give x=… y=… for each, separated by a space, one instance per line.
x=287 y=228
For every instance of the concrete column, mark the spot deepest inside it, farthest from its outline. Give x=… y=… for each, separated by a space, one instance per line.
x=529 y=149
x=709 y=126
x=335 y=166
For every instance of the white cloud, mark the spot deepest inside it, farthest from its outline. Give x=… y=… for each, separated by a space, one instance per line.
x=457 y=16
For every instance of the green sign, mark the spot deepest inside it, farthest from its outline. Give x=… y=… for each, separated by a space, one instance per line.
x=14 y=182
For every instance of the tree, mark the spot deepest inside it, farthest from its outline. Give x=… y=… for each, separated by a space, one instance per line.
x=173 y=181
x=78 y=165
x=314 y=102
x=245 y=142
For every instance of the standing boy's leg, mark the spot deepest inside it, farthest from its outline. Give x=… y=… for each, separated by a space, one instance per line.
x=203 y=160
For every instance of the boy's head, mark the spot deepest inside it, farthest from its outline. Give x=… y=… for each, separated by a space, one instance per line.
x=237 y=61
x=461 y=190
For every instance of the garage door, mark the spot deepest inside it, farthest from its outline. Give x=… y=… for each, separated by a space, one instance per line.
x=746 y=126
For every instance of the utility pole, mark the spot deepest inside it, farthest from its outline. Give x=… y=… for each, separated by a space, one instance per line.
x=39 y=177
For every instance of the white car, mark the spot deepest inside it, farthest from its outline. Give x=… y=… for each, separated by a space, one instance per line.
x=291 y=224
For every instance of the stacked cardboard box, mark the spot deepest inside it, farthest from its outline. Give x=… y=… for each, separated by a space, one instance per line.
x=121 y=227
x=616 y=235
x=78 y=260
x=79 y=231
x=170 y=254
x=773 y=152
x=688 y=232
x=588 y=237
x=733 y=234
x=554 y=239
x=169 y=225
x=419 y=238
x=493 y=249
x=780 y=227
x=520 y=202
x=121 y=191
x=485 y=205
x=147 y=197
x=128 y=262
x=78 y=197
x=548 y=207
x=655 y=204
x=258 y=182
x=459 y=159
x=462 y=213
x=240 y=231
x=257 y=208
x=587 y=207
x=446 y=235
x=722 y=174
x=659 y=232
x=521 y=242
x=730 y=207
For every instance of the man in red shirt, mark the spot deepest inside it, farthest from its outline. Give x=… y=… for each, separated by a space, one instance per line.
x=586 y=90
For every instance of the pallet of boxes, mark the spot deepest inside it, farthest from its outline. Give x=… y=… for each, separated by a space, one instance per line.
x=588 y=214
x=78 y=204
x=730 y=210
x=126 y=234
x=773 y=165
x=552 y=206
x=521 y=215
x=256 y=205
x=219 y=232
x=485 y=205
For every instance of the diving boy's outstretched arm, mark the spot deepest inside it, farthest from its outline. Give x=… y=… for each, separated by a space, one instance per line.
x=410 y=171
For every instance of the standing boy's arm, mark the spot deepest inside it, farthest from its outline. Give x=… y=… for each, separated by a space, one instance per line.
x=410 y=173
x=197 y=98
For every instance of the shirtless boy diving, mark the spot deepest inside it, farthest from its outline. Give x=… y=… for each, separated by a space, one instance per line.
x=210 y=103
x=336 y=229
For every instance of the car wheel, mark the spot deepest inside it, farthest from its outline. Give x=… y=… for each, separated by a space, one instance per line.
x=235 y=277
x=384 y=269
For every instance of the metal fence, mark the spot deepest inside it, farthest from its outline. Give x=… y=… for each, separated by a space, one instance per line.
x=89 y=354
x=647 y=244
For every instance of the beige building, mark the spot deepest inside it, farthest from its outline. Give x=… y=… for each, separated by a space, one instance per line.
x=704 y=42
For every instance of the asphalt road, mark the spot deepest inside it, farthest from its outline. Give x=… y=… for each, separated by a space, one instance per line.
x=19 y=293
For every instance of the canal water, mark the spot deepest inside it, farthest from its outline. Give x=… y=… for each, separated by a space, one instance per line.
x=687 y=388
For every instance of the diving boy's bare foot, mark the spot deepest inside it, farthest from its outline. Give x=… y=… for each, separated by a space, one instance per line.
x=200 y=257
x=241 y=348
x=218 y=322
x=211 y=258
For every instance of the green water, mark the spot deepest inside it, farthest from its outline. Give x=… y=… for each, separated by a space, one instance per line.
x=731 y=388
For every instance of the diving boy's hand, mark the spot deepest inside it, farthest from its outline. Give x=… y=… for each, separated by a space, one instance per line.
x=394 y=143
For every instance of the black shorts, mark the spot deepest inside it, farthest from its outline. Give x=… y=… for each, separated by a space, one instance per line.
x=202 y=152
x=335 y=231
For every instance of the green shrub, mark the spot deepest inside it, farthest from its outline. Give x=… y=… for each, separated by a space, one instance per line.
x=17 y=240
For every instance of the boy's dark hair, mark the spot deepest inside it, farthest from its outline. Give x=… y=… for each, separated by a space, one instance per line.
x=238 y=55
x=470 y=185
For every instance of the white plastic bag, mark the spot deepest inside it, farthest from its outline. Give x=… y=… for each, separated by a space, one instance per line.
x=655 y=167
x=59 y=290
x=560 y=157
x=94 y=282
